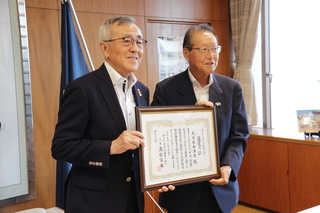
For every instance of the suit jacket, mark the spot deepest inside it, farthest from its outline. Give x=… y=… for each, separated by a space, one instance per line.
x=89 y=118
x=232 y=132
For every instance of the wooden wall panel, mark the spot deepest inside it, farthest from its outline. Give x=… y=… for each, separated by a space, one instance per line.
x=221 y=28
x=124 y=7
x=220 y=10
x=45 y=83
x=90 y=25
x=180 y=9
x=43 y=4
x=304 y=176
x=263 y=176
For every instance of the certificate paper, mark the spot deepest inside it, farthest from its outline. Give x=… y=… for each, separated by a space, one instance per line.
x=181 y=145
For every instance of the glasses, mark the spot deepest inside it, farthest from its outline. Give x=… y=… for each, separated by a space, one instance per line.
x=128 y=42
x=205 y=50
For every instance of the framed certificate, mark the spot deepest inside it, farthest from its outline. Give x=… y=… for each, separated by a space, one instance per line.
x=181 y=145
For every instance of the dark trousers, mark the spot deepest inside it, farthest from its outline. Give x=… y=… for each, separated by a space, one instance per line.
x=208 y=203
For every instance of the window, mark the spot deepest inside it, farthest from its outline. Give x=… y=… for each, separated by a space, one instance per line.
x=292 y=61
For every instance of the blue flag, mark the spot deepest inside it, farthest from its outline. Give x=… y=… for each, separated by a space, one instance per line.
x=73 y=66
x=73 y=62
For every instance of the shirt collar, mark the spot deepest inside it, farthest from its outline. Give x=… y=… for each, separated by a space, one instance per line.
x=117 y=79
x=195 y=82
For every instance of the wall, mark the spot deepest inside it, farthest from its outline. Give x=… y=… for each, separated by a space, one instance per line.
x=156 y=18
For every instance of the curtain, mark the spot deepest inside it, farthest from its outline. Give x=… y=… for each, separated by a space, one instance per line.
x=244 y=16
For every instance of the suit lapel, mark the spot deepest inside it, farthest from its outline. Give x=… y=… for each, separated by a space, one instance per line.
x=186 y=90
x=215 y=92
x=110 y=97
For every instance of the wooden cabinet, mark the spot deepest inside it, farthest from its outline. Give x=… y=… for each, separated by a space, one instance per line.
x=263 y=177
x=280 y=175
x=304 y=176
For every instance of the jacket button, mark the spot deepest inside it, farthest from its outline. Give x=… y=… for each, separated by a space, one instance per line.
x=128 y=179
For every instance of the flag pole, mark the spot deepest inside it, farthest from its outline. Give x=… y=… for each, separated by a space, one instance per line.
x=155 y=202
x=81 y=34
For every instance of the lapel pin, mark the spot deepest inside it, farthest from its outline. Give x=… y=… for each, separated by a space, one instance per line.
x=139 y=92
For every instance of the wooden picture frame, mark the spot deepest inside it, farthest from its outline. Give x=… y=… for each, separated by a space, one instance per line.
x=181 y=145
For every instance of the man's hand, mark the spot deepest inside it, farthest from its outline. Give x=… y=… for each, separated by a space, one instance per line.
x=225 y=175
x=128 y=140
x=165 y=188
x=205 y=103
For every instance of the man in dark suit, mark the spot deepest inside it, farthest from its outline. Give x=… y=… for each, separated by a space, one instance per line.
x=201 y=86
x=96 y=127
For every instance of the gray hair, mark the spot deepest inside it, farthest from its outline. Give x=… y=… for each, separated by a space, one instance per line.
x=187 y=41
x=105 y=30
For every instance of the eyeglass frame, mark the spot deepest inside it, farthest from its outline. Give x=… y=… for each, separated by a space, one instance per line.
x=216 y=48
x=127 y=44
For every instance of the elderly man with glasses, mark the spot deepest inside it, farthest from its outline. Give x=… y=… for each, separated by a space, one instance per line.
x=96 y=129
x=201 y=86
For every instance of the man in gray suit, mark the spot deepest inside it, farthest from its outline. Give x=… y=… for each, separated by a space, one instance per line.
x=201 y=86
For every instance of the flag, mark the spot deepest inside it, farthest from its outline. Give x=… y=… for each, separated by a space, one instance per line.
x=73 y=65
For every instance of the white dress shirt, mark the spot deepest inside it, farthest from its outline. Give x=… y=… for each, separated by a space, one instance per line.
x=202 y=93
x=126 y=99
